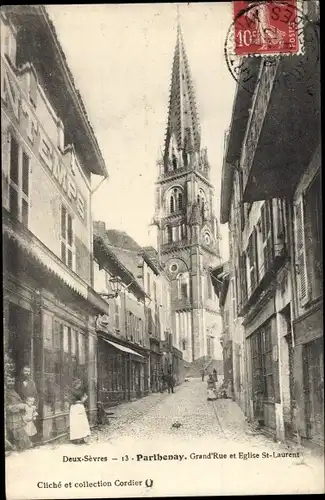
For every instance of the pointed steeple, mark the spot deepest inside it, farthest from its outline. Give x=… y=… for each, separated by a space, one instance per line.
x=183 y=131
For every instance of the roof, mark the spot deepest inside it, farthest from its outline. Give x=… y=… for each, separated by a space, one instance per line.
x=183 y=121
x=130 y=260
x=122 y=241
x=40 y=45
x=236 y=133
x=120 y=263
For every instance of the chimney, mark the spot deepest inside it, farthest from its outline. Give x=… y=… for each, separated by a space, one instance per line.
x=99 y=228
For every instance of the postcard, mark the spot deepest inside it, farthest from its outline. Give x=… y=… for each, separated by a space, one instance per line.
x=162 y=249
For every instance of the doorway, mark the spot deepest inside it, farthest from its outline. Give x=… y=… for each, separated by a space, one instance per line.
x=20 y=337
x=314 y=389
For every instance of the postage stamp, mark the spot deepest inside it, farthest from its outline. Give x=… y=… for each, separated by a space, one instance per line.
x=248 y=41
x=267 y=28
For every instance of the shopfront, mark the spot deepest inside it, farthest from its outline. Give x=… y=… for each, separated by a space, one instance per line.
x=122 y=371
x=55 y=336
x=309 y=374
x=263 y=367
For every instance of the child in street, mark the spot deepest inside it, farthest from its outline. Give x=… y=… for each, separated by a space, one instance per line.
x=29 y=416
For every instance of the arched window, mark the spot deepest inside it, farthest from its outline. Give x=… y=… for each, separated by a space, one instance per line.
x=169 y=234
x=180 y=201
x=185 y=159
x=202 y=201
x=183 y=287
x=183 y=232
x=172 y=204
x=174 y=162
x=175 y=199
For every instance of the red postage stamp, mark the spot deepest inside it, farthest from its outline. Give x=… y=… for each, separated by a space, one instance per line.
x=267 y=27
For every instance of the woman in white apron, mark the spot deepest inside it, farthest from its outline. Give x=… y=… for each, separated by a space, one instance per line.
x=79 y=425
x=211 y=393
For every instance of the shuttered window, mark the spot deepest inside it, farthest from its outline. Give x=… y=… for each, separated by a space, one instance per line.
x=19 y=167
x=301 y=252
x=243 y=278
x=313 y=224
x=251 y=264
x=67 y=238
x=266 y=228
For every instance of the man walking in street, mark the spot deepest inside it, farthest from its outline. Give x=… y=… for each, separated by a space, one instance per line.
x=170 y=383
x=202 y=374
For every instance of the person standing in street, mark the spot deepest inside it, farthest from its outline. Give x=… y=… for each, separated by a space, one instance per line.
x=211 y=390
x=26 y=387
x=202 y=374
x=170 y=383
x=15 y=408
x=215 y=375
x=79 y=425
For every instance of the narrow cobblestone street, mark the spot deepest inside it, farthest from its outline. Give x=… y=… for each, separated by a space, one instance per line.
x=145 y=427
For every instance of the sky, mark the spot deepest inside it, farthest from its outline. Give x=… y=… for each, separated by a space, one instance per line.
x=121 y=59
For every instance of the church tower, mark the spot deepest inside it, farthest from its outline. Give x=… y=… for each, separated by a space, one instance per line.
x=188 y=236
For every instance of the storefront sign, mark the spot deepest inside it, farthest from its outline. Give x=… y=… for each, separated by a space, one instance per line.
x=39 y=141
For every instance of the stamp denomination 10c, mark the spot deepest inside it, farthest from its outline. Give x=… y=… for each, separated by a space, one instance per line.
x=267 y=28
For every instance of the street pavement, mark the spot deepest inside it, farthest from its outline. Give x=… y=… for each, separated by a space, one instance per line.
x=183 y=423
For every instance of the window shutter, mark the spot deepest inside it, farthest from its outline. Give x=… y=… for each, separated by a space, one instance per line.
x=252 y=271
x=301 y=252
x=243 y=278
x=266 y=236
x=255 y=254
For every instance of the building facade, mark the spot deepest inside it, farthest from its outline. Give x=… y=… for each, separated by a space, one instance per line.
x=270 y=169
x=188 y=237
x=49 y=153
x=145 y=317
x=220 y=279
x=123 y=343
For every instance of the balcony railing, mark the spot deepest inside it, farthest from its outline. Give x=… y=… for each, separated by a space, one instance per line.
x=166 y=247
x=257 y=114
x=174 y=172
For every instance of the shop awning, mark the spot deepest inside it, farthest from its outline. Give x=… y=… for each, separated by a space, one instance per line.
x=123 y=348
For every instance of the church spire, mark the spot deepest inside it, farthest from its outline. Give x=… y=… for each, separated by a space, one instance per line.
x=183 y=131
